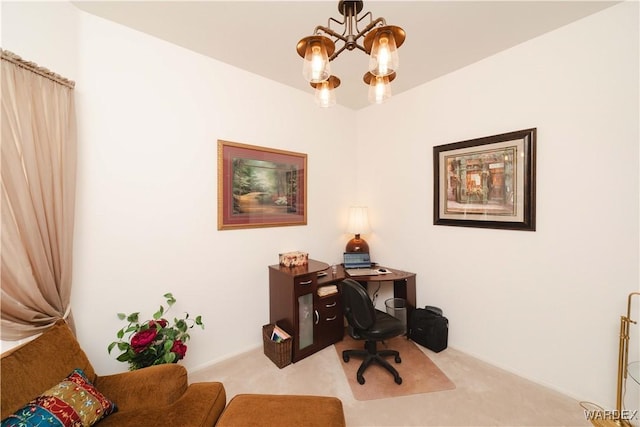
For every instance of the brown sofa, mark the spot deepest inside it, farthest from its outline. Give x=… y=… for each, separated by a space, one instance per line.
x=154 y=396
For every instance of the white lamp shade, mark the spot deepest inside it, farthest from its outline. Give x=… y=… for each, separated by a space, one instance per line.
x=358 y=222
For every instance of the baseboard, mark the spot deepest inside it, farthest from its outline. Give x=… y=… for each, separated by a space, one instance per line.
x=209 y=364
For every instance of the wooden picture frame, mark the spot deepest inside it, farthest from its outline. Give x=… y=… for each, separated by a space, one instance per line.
x=487 y=182
x=260 y=187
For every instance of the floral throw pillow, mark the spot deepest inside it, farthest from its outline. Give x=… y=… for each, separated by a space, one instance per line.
x=73 y=402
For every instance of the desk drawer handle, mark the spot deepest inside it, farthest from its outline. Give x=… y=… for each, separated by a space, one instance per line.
x=317 y=316
x=331 y=318
x=331 y=305
x=308 y=282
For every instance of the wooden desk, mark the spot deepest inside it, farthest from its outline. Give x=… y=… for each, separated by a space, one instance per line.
x=313 y=320
x=404 y=284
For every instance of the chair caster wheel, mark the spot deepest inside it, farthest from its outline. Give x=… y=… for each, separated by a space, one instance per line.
x=345 y=357
x=398 y=380
x=398 y=360
x=361 y=379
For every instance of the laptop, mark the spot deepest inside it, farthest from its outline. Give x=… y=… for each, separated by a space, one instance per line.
x=358 y=264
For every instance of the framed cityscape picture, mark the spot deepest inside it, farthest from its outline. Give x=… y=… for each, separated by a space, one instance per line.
x=488 y=182
x=260 y=187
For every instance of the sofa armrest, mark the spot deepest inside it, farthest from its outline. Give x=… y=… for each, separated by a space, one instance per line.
x=200 y=406
x=147 y=387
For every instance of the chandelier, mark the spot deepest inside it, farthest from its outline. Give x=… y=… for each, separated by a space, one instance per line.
x=379 y=40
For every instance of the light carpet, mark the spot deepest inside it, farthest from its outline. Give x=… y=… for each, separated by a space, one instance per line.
x=419 y=374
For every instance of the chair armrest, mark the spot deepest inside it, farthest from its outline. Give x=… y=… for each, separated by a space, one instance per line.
x=147 y=387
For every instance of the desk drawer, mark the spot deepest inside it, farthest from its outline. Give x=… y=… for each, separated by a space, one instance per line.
x=305 y=284
x=330 y=307
x=330 y=319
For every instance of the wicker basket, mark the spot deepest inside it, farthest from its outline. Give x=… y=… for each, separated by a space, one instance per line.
x=278 y=352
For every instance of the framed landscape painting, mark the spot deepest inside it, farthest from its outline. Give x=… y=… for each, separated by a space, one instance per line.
x=260 y=187
x=487 y=182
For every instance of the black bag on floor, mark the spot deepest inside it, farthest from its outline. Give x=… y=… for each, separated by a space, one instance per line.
x=429 y=328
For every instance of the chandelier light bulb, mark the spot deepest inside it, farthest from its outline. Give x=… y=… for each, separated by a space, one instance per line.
x=324 y=92
x=379 y=90
x=324 y=96
x=379 y=87
x=316 y=67
x=384 y=54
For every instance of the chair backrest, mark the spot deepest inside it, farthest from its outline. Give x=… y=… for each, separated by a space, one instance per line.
x=357 y=306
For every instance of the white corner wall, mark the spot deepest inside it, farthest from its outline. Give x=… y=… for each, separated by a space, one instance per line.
x=149 y=117
x=544 y=304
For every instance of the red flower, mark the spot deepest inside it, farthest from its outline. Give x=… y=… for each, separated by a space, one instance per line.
x=179 y=348
x=142 y=339
x=162 y=322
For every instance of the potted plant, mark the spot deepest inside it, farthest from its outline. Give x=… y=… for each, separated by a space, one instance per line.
x=155 y=341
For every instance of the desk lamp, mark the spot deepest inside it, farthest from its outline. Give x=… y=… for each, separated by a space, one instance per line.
x=358 y=223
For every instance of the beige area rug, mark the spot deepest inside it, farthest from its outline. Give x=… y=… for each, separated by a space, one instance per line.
x=419 y=374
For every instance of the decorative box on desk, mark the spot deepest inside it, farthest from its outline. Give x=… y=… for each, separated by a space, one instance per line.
x=293 y=259
x=315 y=321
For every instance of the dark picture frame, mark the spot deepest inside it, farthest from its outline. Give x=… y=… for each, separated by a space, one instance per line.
x=260 y=187
x=487 y=182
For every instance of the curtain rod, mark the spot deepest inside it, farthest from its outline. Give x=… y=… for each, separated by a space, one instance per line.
x=33 y=67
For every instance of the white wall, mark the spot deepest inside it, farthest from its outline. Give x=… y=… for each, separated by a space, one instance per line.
x=42 y=32
x=151 y=114
x=546 y=304
x=149 y=117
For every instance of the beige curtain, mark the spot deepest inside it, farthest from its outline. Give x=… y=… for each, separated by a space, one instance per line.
x=38 y=168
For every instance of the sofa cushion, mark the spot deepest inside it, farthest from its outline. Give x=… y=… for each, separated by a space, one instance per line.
x=73 y=402
x=277 y=410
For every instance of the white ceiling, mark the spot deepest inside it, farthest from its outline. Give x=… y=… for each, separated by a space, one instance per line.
x=261 y=36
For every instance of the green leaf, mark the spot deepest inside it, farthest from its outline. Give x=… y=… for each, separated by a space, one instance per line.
x=113 y=344
x=199 y=321
x=121 y=316
x=170 y=333
x=120 y=334
x=167 y=345
x=133 y=317
x=158 y=313
x=124 y=357
x=170 y=299
x=169 y=357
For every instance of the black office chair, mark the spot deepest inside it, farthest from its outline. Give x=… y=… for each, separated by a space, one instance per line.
x=367 y=323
